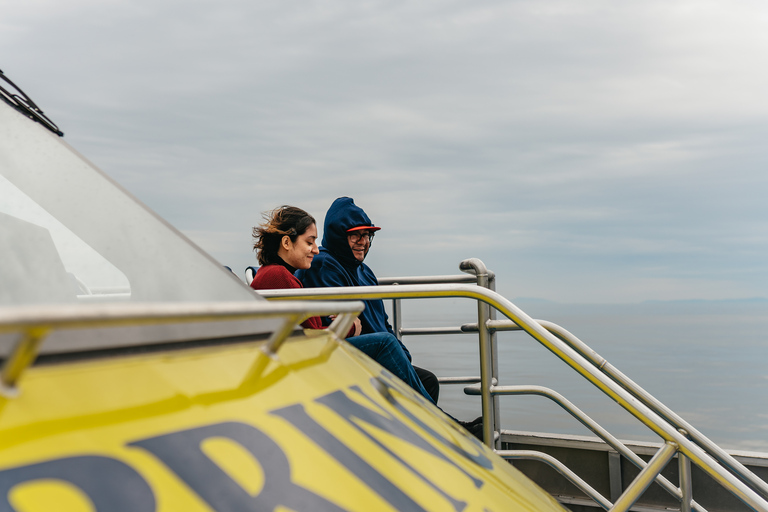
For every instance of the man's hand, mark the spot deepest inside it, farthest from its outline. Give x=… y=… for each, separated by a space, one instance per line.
x=357 y=326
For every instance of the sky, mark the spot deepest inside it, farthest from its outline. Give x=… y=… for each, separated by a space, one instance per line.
x=587 y=152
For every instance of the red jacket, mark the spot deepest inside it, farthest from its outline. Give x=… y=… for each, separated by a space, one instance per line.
x=278 y=277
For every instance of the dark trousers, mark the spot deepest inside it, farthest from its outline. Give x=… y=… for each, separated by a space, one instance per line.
x=429 y=380
x=384 y=348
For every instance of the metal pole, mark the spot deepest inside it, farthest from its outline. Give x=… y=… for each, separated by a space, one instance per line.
x=397 y=318
x=486 y=353
x=645 y=478
x=22 y=356
x=684 y=471
x=560 y=468
x=495 y=366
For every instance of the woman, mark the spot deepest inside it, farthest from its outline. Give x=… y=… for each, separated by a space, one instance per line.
x=285 y=243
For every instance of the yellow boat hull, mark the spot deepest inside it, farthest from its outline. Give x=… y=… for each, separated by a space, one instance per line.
x=318 y=427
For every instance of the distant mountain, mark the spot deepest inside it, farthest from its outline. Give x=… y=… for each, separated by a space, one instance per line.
x=752 y=300
x=533 y=300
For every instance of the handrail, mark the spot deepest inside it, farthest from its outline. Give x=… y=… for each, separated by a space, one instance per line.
x=641 y=394
x=17 y=318
x=560 y=468
x=35 y=323
x=608 y=369
x=591 y=424
x=562 y=350
x=662 y=410
x=458 y=278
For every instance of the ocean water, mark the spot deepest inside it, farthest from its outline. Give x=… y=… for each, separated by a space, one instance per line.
x=707 y=361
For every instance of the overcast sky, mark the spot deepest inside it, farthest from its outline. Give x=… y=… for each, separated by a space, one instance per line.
x=589 y=151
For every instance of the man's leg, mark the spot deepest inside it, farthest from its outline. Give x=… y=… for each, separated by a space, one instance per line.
x=429 y=380
x=384 y=348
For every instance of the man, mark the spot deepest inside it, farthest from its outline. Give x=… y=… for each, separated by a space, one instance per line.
x=347 y=237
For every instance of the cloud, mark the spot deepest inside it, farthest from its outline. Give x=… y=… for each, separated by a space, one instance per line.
x=599 y=150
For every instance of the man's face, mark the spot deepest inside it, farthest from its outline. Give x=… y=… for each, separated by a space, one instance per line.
x=360 y=243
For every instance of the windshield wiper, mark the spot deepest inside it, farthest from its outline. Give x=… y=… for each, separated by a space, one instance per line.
x=21 y=102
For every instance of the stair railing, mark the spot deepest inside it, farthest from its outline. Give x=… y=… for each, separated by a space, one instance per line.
x=711 y=459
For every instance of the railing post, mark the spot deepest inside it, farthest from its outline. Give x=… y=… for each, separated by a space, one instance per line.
x=495 y=364
x=645 y=478
x=486 y=352
x=23 y=355
x=686 y=485
x=397 y=318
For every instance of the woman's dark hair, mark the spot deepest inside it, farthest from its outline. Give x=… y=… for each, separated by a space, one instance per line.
x=282 y=221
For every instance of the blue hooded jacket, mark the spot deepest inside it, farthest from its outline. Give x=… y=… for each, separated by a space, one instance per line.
x=336 y=265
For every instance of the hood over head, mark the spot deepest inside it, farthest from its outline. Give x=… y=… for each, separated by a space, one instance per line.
x=344 y=216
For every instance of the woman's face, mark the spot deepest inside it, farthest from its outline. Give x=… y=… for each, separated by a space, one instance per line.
x=299 y=254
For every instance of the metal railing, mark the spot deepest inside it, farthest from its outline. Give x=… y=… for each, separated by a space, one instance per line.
x=35 y=323
x=679 y=437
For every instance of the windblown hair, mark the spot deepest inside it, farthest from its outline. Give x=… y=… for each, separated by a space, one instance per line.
x=282 y=221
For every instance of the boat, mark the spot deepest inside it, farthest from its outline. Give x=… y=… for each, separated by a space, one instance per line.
x=139 y=374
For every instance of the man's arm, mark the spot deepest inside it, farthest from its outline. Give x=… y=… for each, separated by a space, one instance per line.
x=325 y=273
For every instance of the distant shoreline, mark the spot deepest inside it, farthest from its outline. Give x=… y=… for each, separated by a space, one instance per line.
x=538 y=300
